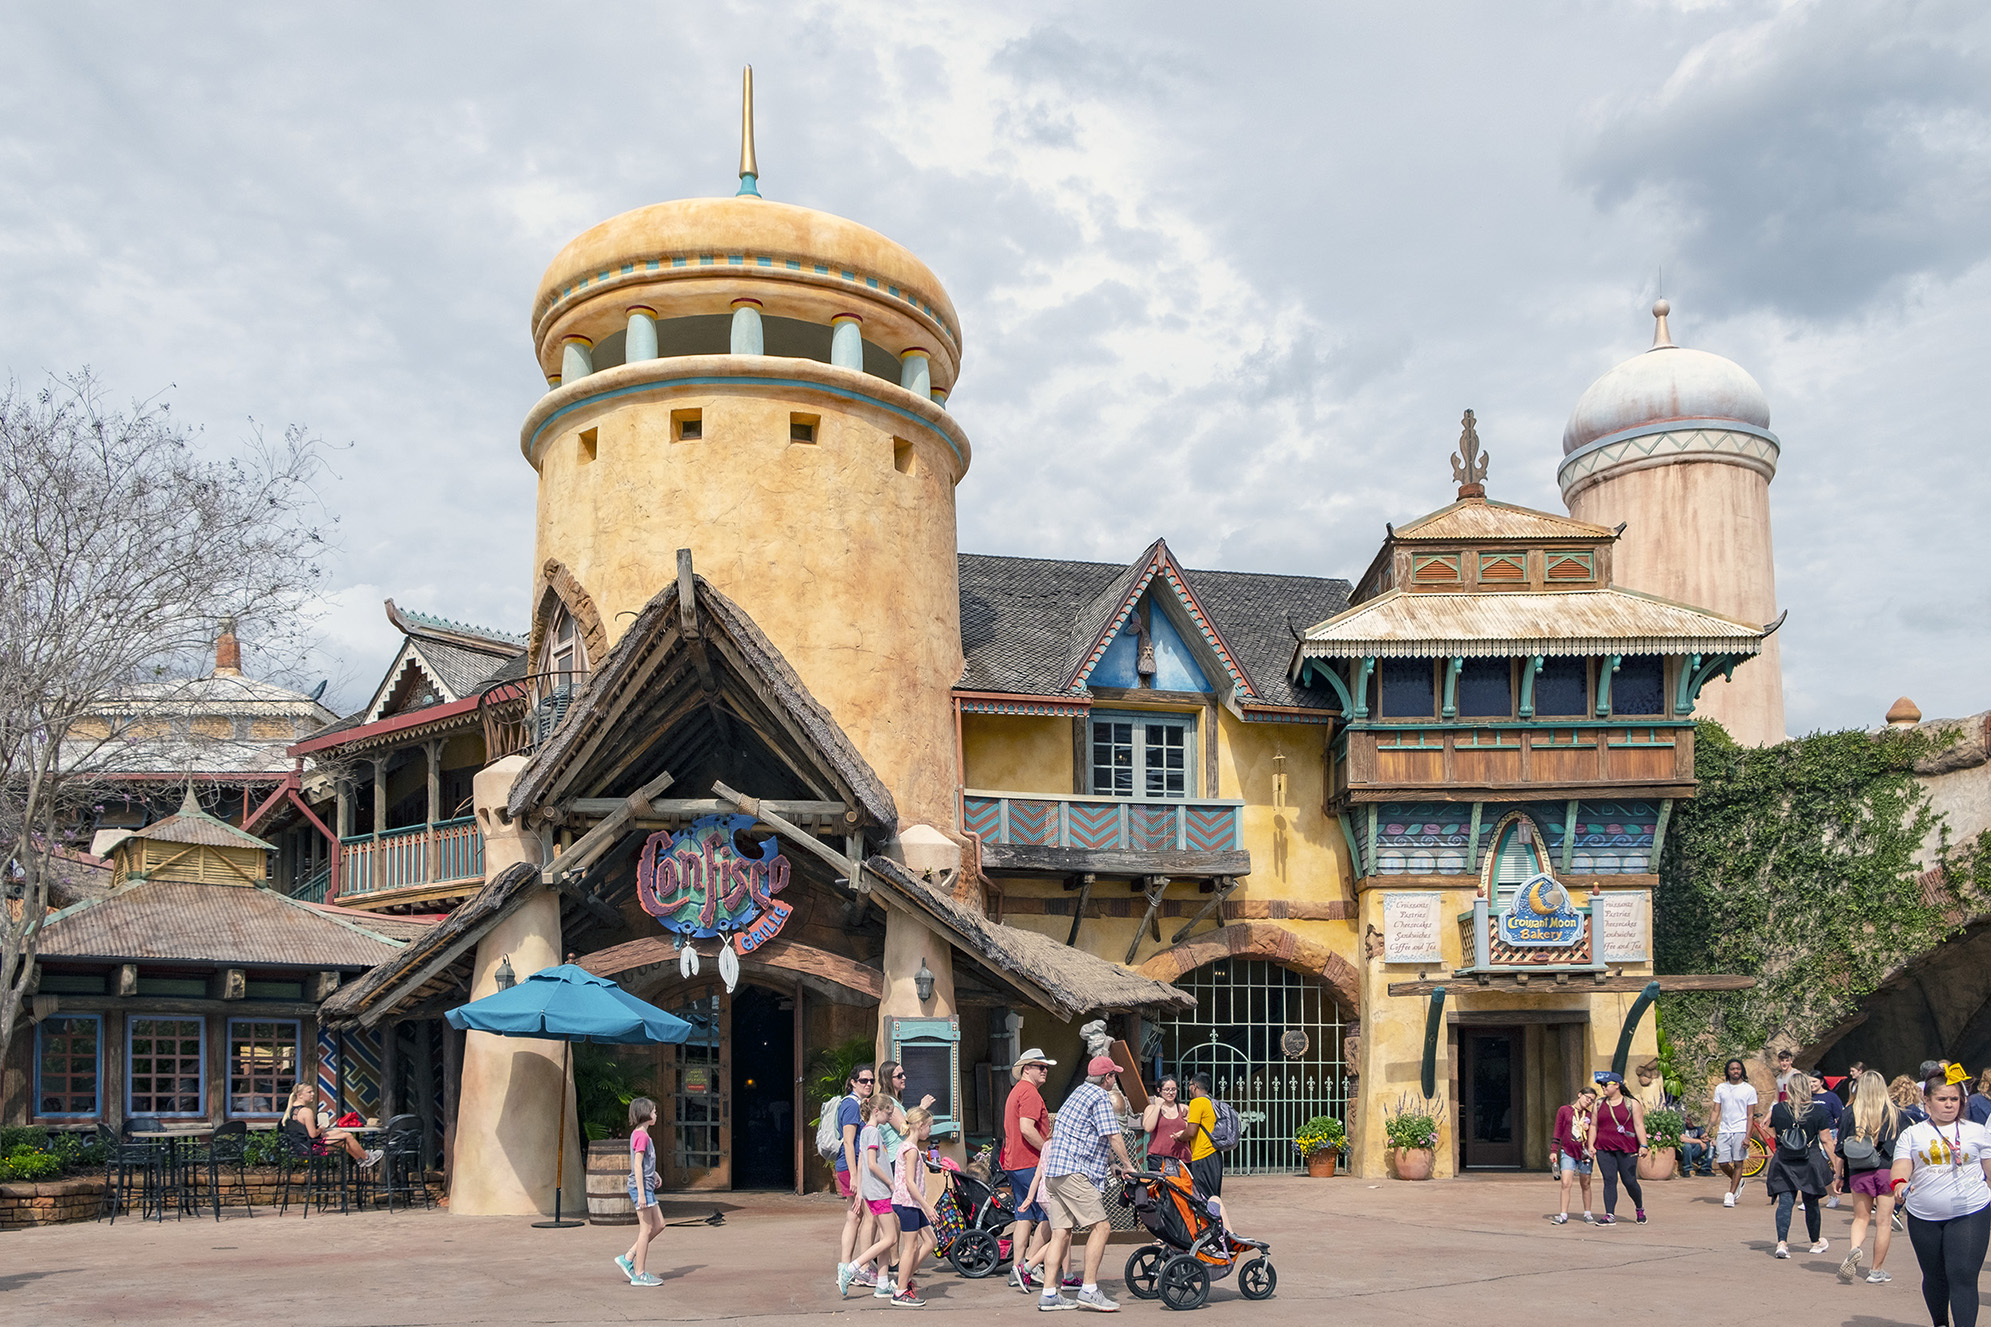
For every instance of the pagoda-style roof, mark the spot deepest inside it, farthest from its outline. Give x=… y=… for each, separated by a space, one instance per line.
x=171 y=921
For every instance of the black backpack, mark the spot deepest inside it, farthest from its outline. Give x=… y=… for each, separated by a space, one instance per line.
x=1794 y=1140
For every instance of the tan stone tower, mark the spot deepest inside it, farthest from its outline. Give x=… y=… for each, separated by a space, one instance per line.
x=1676 y=444
x=765 y=385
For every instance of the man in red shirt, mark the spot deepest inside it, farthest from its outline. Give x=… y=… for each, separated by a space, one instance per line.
x=1026 y=1124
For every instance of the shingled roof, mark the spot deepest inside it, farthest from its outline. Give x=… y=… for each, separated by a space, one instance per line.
x=168 y=921
x=1024 y=621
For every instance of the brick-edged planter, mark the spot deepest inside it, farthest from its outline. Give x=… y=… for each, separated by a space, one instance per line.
x=29 y=1203
x=54 y=1202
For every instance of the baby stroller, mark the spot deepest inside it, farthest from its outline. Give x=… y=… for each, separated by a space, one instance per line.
x=975 y=1217
x=1192 y=1248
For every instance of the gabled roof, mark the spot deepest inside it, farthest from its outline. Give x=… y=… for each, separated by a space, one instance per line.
x=169 y=921
x=1108 y=612
x=637 y=715
x=1483 y=518
x=429 y=627
x=1397 y=624
x=1028 y=624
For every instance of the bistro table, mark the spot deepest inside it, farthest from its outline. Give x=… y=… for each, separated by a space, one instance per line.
x=171 y=1143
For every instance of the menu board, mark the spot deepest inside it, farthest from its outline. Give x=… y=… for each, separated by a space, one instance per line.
x=1411 y=927
x=1624 y=926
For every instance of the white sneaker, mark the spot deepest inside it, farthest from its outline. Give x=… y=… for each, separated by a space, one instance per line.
x=1728 y=1200
x=1850 y=1268
x=1832 y=1201
x=1781 y=1252
x=1051 y=1301
x=1878 y=1278
x=1096 y=1300
x=1821 y=1246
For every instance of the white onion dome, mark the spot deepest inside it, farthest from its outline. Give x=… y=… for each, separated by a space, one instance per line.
x=1666 y=385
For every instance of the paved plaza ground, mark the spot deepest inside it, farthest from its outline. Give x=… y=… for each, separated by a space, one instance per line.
x=1478 y=1252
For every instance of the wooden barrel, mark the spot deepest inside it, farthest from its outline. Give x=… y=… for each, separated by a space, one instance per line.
x=608 y=1183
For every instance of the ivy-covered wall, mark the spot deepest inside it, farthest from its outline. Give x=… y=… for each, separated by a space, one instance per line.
x=1800 y=864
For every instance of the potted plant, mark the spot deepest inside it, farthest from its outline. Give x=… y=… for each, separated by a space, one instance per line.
x=1320 y=1141
x=1412 y=1131
x=1662 y=1133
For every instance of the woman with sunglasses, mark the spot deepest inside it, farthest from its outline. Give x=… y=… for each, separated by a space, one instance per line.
x=1943 y=1164
x=892 y=1128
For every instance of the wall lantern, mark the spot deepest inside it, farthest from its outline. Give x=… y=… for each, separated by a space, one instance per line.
x=923 y=982
x=505 y=976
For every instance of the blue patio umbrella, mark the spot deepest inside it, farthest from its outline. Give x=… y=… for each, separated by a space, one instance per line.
x=569 y=1004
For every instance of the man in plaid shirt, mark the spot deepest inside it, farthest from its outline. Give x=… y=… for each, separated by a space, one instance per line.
x=1075 y=1169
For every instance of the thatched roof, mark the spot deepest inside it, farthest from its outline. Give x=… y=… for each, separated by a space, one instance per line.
x=658 y=670
x=436 y=965
x=1065 y=980
x=174 y=921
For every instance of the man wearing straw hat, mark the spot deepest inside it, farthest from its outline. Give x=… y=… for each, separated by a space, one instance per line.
x=1026 y=1123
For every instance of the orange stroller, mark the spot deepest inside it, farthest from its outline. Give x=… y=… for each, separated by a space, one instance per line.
x=1192 y=1247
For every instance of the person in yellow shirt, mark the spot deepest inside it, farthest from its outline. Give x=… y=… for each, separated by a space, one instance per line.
x=1206 y=1163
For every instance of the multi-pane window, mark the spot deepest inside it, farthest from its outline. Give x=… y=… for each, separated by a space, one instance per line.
x=1486 y=689
x=1404 y=689
x=1562 y=688
x=262 y=1065
x=163 y=1066
x=1639 y=687
x=698 y=1096
x=566 y=653
x=67 y=1065
x=1143 y=756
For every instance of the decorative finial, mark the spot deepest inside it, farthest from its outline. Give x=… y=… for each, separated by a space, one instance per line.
x=749 y=168
x=1660 y=336
x=1469 y=464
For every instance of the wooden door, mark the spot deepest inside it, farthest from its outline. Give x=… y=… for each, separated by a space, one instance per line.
x=1490 y=1099
x=697 y=1079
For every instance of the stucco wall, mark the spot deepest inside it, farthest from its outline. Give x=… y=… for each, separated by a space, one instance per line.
x=842 y=558
x=1016 y=753
x=1699 y=533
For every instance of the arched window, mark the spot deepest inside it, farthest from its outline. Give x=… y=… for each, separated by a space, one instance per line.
x=1518 y=856
x=564 y=657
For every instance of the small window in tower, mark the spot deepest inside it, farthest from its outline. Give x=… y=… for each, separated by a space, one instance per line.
x=687 y=425
x=587 y=451
x=802 y=428
x=902 y=456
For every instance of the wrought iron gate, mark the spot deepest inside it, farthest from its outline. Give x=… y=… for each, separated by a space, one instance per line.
x=1270 y=1040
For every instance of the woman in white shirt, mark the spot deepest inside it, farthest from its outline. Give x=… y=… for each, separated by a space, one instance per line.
x=1944 y=1164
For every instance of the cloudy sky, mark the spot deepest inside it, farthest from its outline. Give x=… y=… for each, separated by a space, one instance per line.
x=1227 y=273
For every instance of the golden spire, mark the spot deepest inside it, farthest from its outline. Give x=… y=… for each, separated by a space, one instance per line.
x=1660 y=336
x=749 y=168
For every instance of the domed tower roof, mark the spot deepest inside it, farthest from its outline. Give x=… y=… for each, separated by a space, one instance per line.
x=1667 y=388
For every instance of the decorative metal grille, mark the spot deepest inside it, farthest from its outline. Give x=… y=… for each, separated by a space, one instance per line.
x=1240 y=1033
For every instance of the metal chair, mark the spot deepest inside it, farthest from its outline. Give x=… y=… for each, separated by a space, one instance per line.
x=152 y=1158
x=125 y=1159
x=228 y=1149
x=317 y=1166
x=401 y=1162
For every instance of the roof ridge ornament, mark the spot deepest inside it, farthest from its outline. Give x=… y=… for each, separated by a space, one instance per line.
x=1662 y=337
x=749 y=166
x=1469 y=462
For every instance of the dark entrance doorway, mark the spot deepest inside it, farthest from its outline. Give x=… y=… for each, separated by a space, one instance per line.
x=763 y=1089
x=1490 y=1100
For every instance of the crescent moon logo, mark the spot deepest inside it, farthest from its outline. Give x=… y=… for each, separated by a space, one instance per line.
x=1544 y=897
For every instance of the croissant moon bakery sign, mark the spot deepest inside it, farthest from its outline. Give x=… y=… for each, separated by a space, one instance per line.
x=1541 y=915
x=695 y=882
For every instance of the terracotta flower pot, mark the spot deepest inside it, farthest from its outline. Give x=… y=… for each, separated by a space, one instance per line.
x=1320 y=1165
x=1656 y=1164
x=1411 y=1163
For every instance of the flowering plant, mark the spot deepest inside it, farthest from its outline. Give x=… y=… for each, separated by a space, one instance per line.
x=1412 y=1125
x=1320 y=1134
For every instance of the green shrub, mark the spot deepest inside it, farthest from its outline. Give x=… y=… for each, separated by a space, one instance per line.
x=603 y=1089
x=1411 y=1126
x=14 y=1137
x=264 y=1148
x=28 y=1163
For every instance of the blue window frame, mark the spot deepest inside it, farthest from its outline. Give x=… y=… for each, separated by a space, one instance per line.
x=262 y=1065
x=69 y=1064
x=1406 y=689
x=930 y=1051
x=165 y=1066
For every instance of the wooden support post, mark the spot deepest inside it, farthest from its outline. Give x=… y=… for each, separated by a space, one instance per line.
x=1225 y=884
x=390 y=1070
x=433 y=851
x=1659 y=833
x=1154 y=887
x=1472 y=843
x=1569 y=836
x=425 y=1088
x=800 y=1059
x=452 y=1090
x=127 y=979
x=380 y=797
x=1084 y=897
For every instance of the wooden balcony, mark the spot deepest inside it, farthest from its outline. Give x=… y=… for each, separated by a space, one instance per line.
x=1468 y=762
x=1045 y=833
x=421 y=862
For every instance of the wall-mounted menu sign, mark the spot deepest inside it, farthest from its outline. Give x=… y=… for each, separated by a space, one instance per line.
x=1623 y=919
x=1411 y=923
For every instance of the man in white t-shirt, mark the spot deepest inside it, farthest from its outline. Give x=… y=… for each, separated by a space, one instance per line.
x=1735 y=1107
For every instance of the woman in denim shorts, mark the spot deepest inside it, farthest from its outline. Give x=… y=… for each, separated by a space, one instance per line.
x=1571 y=1154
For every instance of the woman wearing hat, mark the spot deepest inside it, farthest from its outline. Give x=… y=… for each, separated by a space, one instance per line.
x=1026 y=1126
x=1617 y=1136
